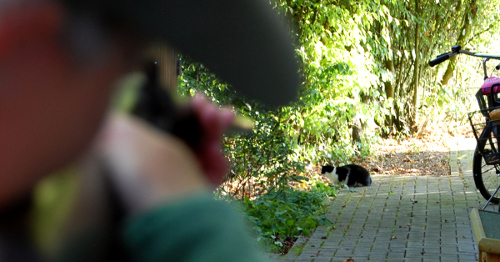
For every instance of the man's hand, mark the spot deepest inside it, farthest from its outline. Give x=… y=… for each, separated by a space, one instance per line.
x=149 y=167
x=214 y=122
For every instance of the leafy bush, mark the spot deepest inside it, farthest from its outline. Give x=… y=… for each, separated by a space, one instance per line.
x=280 y=216
x=263 y=154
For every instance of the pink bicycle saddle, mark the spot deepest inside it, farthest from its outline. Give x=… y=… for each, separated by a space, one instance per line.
x=488 y=83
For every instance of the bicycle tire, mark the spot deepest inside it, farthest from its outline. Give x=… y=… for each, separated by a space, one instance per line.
x=485 y=177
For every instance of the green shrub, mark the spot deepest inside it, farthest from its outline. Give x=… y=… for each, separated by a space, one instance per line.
x=280 y=216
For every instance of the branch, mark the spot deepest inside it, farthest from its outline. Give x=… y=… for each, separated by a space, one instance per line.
x=478 y=34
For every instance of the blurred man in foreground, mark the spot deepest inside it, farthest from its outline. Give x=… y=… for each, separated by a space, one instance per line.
x=58 y=62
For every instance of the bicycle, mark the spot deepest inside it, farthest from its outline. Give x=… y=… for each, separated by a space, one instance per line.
x=485 y=125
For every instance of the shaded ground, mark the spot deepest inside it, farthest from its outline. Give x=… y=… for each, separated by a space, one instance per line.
x=420 y=156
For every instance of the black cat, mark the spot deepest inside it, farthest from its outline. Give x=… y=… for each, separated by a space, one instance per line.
x=352 y=175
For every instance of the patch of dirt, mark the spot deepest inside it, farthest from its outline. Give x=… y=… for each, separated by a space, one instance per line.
x=413 y=156
x=425 y=154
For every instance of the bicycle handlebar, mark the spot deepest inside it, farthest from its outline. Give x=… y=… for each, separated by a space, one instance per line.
x=441 y=58
x=457 y=49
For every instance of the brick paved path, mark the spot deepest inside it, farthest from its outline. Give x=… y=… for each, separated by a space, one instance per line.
x=401 y=218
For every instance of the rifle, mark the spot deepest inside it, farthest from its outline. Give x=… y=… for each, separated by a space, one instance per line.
x=155 y=105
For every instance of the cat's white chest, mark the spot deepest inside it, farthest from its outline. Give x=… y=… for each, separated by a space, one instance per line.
x=333 y=177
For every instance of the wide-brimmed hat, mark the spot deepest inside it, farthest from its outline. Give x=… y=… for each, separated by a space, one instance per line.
x=244 y=42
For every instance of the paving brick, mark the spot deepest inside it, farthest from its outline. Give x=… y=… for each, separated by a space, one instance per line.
x=344 y=252
x=304 y=259
x=432 y=259
x=323 y=259
x=432 y=251
x=452 y=258
x=332 y=241
x=362 y=249
x=412 y=259
x=327 y=253
x=395 y=256
x=285 y=259
x=366 y=239
x=467 y=257
x=341 y=258
x=415 y=252
x=348 y=242
x=377 y=256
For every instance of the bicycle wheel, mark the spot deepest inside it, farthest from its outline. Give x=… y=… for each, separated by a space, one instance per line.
x=486 y=177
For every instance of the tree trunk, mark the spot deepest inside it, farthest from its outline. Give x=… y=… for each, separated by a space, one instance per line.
x=416 y=73
x=357 y=130
x=389 y=88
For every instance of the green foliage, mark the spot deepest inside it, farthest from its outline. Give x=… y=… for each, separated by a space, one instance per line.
x=386 y=45
x=411 y=34
x=280 y=216
x=364 y=61
x=264 y=153
x=197 y=78
x=339 y=84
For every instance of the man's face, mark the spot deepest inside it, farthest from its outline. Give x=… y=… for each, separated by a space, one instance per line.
x=51 y=105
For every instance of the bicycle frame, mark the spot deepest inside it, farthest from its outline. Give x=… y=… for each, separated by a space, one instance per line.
x=455 y=50
x=486 y=130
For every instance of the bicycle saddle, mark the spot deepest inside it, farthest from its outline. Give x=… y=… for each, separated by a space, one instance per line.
x=491 y=83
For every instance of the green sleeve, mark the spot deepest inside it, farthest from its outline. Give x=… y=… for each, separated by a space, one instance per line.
x=197 y=229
